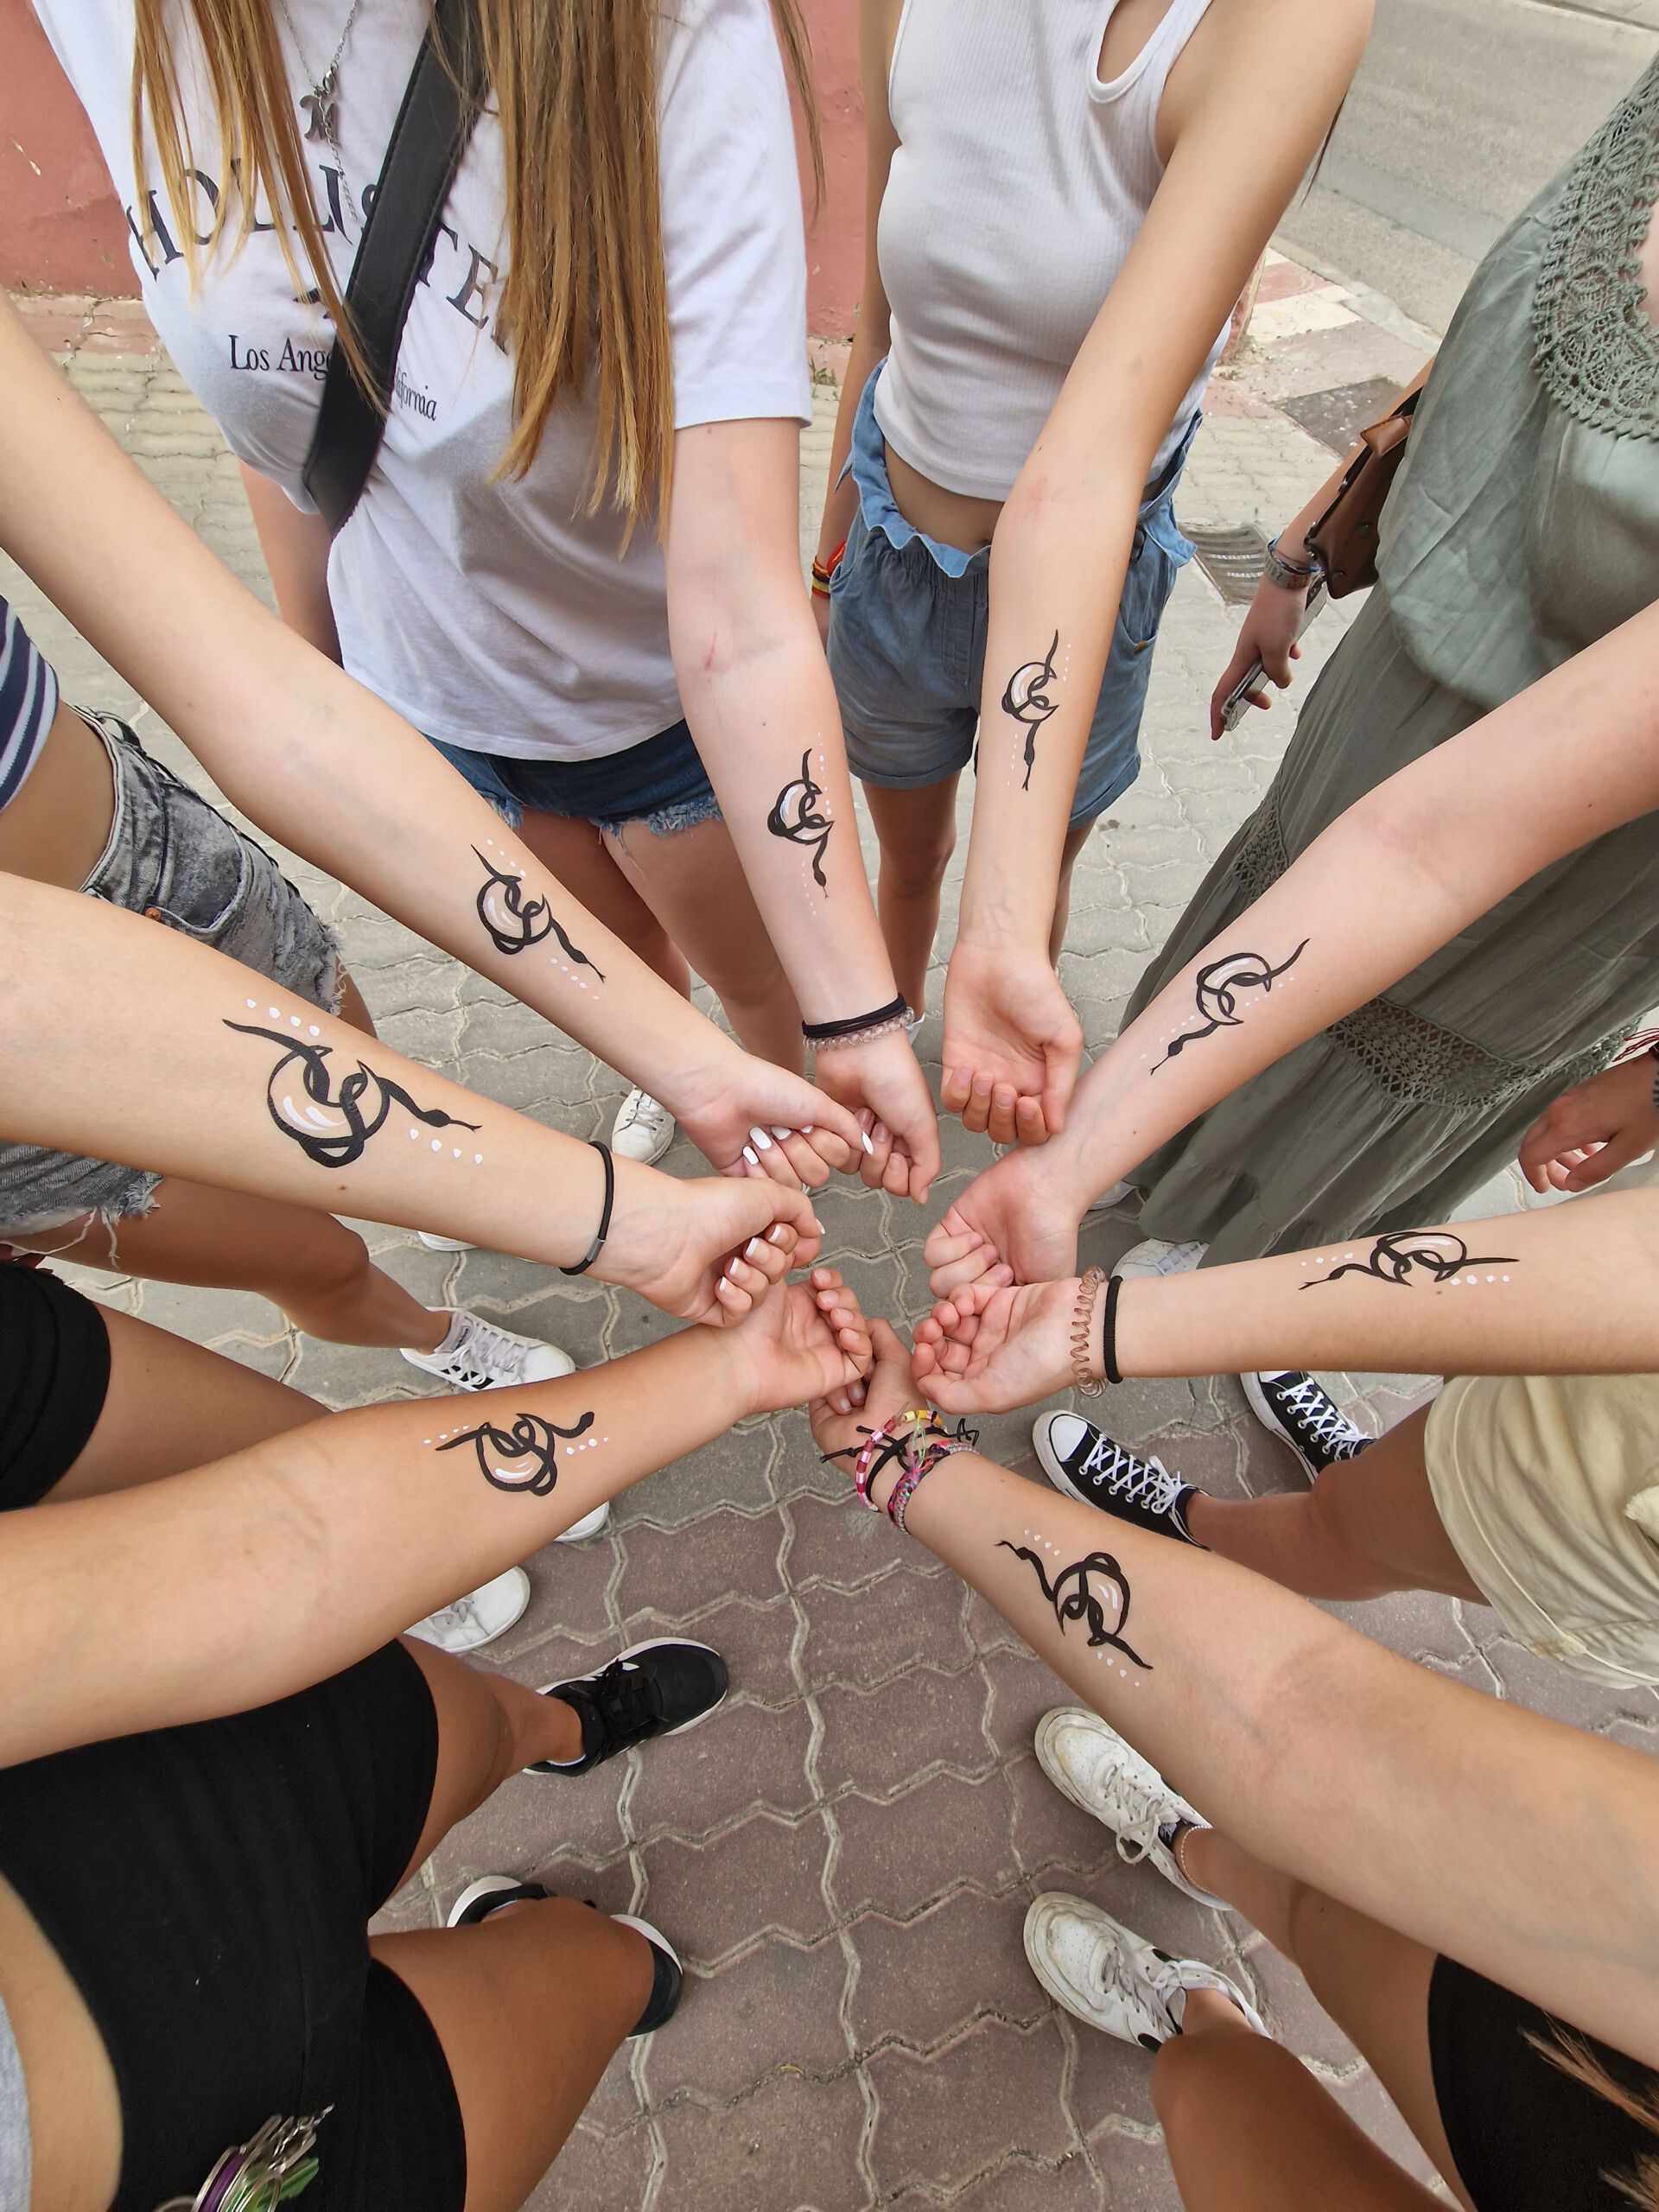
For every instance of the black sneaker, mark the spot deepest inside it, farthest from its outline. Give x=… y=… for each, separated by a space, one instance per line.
x=1085 y=1462
x=655 y=1689
x=1293 y=1406
x=492 y=1891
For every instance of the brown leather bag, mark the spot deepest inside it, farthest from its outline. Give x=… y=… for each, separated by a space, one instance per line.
x=1344 y=537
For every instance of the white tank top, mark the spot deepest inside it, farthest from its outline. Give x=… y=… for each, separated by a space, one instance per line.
x=1017 y=188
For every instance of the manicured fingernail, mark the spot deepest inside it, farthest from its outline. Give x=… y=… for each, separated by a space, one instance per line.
x=776 y=1233
x=761 y=1138
x=868 y=1147
x=819 y=1226
x=807 y=1129
x=752 y=1248
x=777 y=1131
x=750 y=1155
x=883 y=1133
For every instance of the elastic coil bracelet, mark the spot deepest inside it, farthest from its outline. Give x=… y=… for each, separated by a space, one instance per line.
x=598 y=1244
x=1083 y=1315
x=858 y=1028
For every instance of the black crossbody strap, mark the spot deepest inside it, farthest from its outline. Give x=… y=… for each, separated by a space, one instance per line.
x=427 y=142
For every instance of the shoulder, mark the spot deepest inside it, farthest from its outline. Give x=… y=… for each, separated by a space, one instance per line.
x=725 y=41
x=1281 y=57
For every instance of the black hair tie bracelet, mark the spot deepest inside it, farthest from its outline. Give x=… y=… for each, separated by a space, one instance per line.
x=598 y=1244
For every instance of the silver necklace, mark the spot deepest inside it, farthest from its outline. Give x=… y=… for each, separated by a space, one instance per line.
x=321 y=103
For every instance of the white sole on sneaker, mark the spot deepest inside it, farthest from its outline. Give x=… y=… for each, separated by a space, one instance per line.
x=487 y=1885
x=651 y=1643
x=652 y=1935
x=1259 y=1404
x=589 y=1525
x=1054 y=1767
x=1051 y=1464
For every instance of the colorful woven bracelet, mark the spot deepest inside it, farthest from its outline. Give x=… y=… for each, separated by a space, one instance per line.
x=911 y=1481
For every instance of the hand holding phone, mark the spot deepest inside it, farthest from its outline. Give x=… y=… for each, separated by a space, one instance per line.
x=1232 y=711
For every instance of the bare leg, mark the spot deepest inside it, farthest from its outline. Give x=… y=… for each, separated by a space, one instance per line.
x=1372 y=1981
x=918 y=833
x=693 y=883
x=530 y=2005
x=1248 y=2129
x=580 y=856
x=1075 y=842
x=317 y=1270
x=172 y=1405
x=1367 y=1526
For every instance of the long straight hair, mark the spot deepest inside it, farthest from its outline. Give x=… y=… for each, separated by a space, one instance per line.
x=576 y=84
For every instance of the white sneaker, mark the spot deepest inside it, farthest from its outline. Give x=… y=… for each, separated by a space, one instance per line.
x=1090 y=1763
x=643 y=1131
x=589 y=1525
x=1105 y=1973
x=478 y=1356
x=1155 y=1257
x=444 y=1244
x=1115 y=1196
x=480 y=1616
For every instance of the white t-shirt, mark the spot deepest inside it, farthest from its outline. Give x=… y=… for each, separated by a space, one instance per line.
x=494 y=615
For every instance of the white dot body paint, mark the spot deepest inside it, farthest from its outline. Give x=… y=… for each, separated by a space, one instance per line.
x=437 y=1144
x=315 y=1031
x=248 y=1002
x=275 y=1014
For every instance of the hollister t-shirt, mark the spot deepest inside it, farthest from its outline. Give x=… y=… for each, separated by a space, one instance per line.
x=494 y=615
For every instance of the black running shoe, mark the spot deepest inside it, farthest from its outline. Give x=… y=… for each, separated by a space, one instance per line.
x=655 y=1689
x=492 y=1891
x=1085 y=1462
x=1293 y=1406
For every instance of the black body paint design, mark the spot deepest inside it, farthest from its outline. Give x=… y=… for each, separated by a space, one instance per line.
x=1217 y=990
x=1026 y=699
x=1435 y=1254
x=798 y=817
x=334 y=1131
x=515 y=923
x=1081 y=1603
x=521 y=1458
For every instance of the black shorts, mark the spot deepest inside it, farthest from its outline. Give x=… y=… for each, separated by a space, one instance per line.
x=1526 y=2136
x=208 y=1889
x=54 y=1371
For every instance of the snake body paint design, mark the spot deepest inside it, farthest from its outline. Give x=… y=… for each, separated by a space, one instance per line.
x=1073 y=1599
x=516 y=923
x=1218 y=988
x=334 y=1127
x=1025 y=698
x=522 y=1457
x=798 y=817
x=1433 y=1255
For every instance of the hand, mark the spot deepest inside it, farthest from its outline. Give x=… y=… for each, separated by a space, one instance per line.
x=706 y=1251
x=807 y=1345
x=1594 y=1129
x=887 y=1389
x=728 y=1106
x=1012 y=1043
x=990 y=1350
x=1011 y=1224
x=1268 y=634
x=899 y=1123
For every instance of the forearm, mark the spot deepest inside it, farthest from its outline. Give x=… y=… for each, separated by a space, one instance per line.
x=1388 y=883
x=1330 y=1758
x=841 y=499
x=303 y=1555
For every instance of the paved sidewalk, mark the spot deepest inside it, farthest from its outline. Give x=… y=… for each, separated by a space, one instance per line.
x=845 y=1855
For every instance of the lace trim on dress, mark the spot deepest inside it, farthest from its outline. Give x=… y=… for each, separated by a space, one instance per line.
x=1413 y=1059
x=1594 y=343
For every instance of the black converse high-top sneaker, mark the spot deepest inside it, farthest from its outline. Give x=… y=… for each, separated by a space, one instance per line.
x=1297 y=1407
x=1086 y=1464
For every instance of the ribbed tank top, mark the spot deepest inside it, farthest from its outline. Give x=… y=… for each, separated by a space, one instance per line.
x=1017 y=188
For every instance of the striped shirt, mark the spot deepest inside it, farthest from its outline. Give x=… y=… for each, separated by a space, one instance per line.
x=28 y=699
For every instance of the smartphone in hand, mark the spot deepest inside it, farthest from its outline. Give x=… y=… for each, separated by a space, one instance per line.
x=1255 y=676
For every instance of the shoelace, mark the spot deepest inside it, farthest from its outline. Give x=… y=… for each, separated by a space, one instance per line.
x=1145 y=1483
x=641 y=1106
x=1141 y=1991
x=463 y=1613
x=1136 y=1815
x=626 y=1697
x=1322 y=1420
x=483 y=1353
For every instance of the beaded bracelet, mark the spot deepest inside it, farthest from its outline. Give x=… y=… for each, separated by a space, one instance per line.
x=889 y=1441
x=1289 y=575
x=859 y=1029
x=911 y=1481
x=823 y=571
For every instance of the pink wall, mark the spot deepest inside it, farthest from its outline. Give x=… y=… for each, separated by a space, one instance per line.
x=62 y=230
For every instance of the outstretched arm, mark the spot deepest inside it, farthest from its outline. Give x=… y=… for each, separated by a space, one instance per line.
x=1524 y=1848
x=1269 y=76
x=1571 y=1291
x=321 y=764
x=124 y=1040
x=301 y=1555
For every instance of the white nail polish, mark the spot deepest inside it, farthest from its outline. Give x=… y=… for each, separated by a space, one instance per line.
x=761 y=1138
x=868 y=1147
x=777 y=1131
x=807 y=1128
x=750 y=1155
x=754 y=1249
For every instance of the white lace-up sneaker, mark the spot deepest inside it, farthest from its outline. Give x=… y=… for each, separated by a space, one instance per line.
x=1293 y=1406
x=1115 y=1196
x=480 y=1616
x=476 y=1355
x=644 y=1129
x=589 y=1525
x=1095 y=1469
x=1155 y=1255
x=444 y=1244
x=1105 y=1973
x=1089 y=1763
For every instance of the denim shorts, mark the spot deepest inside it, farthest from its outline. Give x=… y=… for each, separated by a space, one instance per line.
x=175 y=859
x=661 y=782
x=908 y=637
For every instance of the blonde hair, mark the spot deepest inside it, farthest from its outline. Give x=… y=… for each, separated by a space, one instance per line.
x=576 y=84
x=1575 y=2058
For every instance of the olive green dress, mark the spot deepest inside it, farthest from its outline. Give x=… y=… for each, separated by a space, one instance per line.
x=1523 y=526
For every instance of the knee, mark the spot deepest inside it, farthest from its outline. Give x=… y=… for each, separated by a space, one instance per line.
x=1184 y=2080
x=335 y=1269
x=917 y=866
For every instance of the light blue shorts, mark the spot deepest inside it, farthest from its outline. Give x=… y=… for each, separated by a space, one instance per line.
x=908 y=637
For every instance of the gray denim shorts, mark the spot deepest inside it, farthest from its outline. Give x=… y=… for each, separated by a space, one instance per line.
x=908 y=637
x=176 y=860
